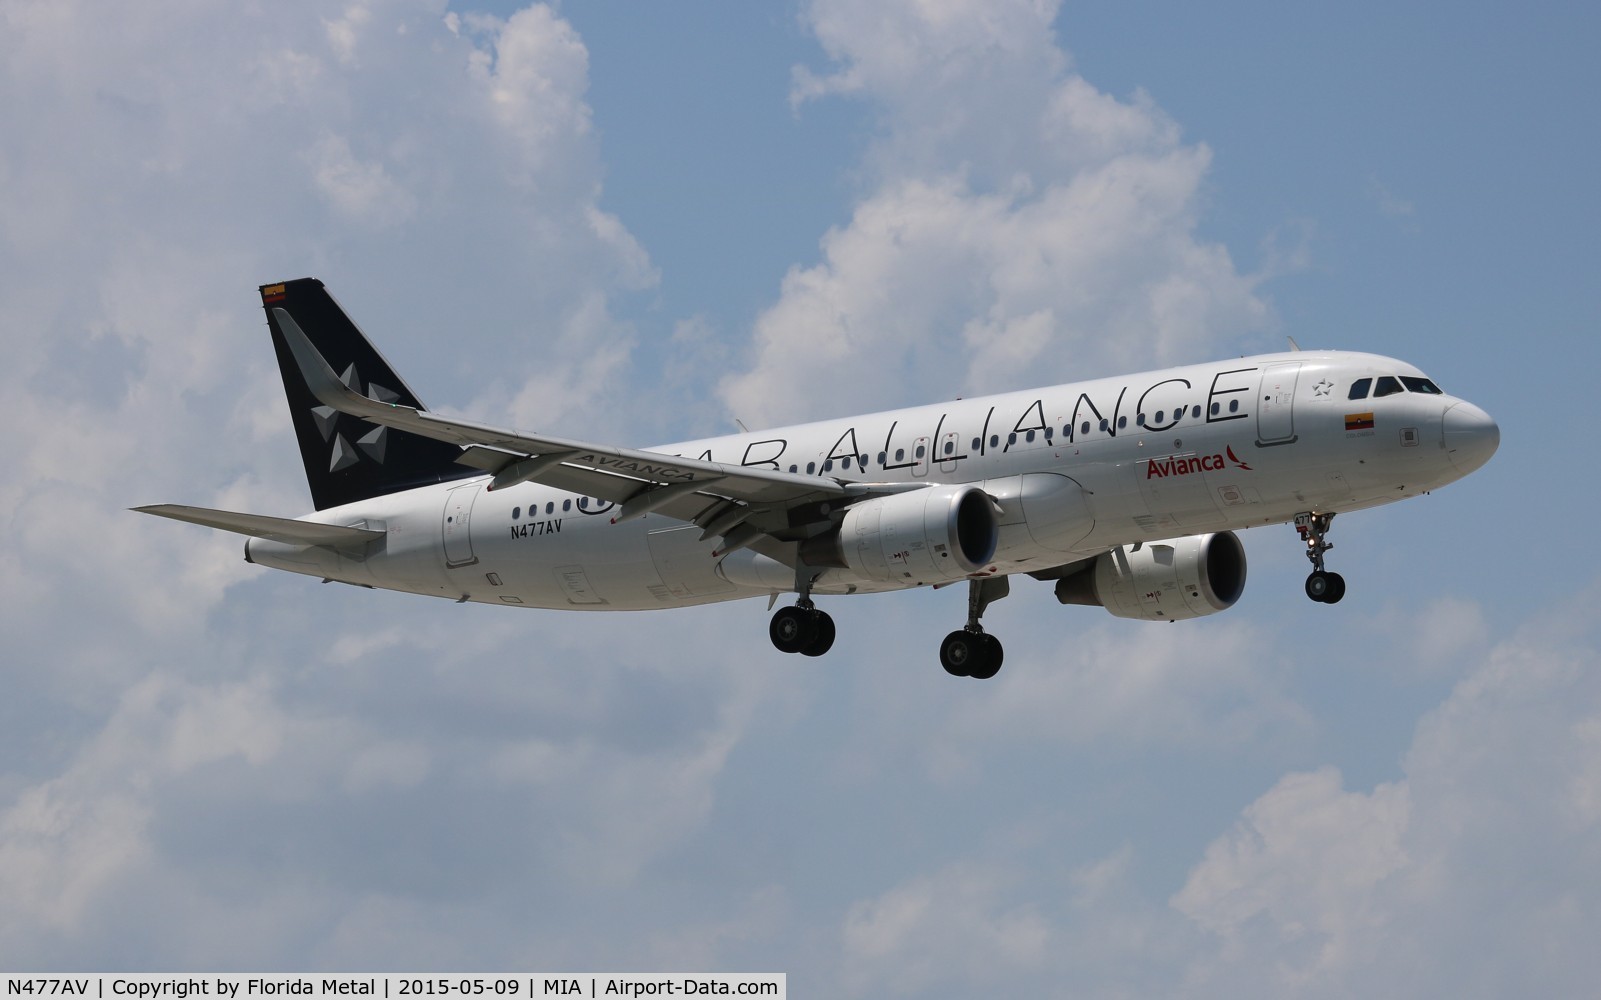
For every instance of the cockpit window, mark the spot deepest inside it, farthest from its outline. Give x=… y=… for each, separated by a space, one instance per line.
x=1422 y=385
x=1388 y=385
x=1359 y=388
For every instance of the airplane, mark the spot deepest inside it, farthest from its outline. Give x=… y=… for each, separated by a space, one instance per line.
x=1123 y=493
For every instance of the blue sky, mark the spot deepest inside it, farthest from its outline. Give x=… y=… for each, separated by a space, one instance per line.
x=639 y=224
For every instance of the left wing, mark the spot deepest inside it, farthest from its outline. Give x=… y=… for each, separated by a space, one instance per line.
x=278 y=529
x=739 y=503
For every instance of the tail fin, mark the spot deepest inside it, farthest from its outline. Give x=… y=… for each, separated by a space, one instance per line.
x=346 y=458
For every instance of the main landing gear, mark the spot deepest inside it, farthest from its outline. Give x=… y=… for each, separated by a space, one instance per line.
x=1322 y=586
x=970 y=651
x=802 y=629
x=967 y=652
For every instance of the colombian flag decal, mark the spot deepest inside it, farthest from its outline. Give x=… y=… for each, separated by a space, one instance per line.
x=1358 y=421
x=272 y=293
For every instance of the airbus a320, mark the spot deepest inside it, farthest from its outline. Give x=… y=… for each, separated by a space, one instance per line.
x=1119 y=492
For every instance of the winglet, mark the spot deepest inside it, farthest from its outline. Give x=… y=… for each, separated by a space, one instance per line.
x=320 y=378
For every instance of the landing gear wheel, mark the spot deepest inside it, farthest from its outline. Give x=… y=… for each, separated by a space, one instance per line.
x=794 y=629
x=971 y=654
x=1336 y=589
x=958 y=653
x=990 y=662
x=1325 y=587
x=970 y=651
x=1318 y=586
x=824 y=639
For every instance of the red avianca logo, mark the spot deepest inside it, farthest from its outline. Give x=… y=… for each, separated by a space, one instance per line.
x=1161 y=468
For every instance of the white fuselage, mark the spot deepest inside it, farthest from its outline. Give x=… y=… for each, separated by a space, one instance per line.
x=1156 y=455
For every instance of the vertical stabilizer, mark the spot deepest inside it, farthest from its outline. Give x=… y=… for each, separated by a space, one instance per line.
x=346 y=458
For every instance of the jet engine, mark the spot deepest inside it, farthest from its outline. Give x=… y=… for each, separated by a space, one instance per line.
x=922 y=536
x=1165 y=581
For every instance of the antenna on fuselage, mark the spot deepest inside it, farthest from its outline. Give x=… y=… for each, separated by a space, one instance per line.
x=1293 y=345
x=741 y=424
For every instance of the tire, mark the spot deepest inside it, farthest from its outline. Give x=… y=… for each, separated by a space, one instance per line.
x=792 y=629
x=958 y=653
x=824 y=639
x=991 y=655
x=1318 y=586
x=1336 y=589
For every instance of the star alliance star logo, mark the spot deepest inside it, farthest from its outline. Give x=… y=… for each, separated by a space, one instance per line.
x=334 y=426
x=1323 y=388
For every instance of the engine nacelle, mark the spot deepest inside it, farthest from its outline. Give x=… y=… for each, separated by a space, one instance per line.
x=1165 y=581
x=923 y=536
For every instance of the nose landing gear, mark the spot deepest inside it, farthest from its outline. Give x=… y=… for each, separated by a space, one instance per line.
x=1321 y=586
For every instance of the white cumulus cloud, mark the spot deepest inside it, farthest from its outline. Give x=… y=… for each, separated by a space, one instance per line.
x=1470 y=876
x=1021 y=227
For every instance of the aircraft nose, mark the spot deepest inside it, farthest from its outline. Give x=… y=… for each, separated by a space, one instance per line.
x=1471 y=436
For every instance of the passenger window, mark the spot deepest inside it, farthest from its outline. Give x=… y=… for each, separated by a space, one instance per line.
x=1029 y=437
x=921 y=451
x=845 y=462
x=976 y=443
x=1140 y=420
x=1084 y=428
x=516 y=512
x=1011 y=438
x=1423 y=385
x=583 y=503
x=828 y=466
x=900 y=454
x=1160 y=414
x=567 y=505
x=1388 y=385
x=1216 y=408
x=1234 y=406
x=1122 y=422
x=1105 y=426
x=950 y=447
x=1359 y=388
x=883 y=459
x=995 y=440
x=1196 y=412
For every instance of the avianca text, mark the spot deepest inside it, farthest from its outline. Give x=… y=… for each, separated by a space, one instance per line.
x=1161 y=468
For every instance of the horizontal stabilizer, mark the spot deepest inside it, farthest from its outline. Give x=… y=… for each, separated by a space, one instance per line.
x=278 y=529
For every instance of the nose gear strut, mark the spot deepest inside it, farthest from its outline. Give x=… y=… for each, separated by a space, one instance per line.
x=1322 y=586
